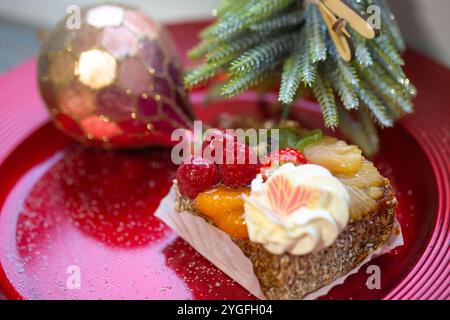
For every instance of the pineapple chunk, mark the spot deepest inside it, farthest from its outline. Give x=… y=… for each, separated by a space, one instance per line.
x=337 y=156
x=366 y=176
x=363 y=181
x=360 y=203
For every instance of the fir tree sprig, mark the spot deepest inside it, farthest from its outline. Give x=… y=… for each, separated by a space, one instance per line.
x=362 y=52
x=324 y=94
x=387 y=87
x=292 y=75
x=204 y=73
x=261 y=9
x=256 y=40
x=375 y=105
x=283 y=20
x=345 y=90
x=316 y=34
x=248 y=80
x=264 y=53
x=234 y=48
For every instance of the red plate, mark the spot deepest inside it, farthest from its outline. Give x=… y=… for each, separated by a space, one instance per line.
x=65 y=207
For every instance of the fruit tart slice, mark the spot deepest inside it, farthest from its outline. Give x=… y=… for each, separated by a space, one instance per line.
x=293 y=225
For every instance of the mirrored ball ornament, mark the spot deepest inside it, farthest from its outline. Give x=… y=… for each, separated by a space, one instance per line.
x=115 y=80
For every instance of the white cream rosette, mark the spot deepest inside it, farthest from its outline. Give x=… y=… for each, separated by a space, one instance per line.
x=299 y=209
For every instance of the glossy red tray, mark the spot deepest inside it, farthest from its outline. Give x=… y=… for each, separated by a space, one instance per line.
x=63 y=205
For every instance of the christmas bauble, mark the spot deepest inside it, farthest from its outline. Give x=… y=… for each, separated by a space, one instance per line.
x=113 y=80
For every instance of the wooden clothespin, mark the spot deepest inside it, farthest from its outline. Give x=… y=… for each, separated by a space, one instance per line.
x=337 y=15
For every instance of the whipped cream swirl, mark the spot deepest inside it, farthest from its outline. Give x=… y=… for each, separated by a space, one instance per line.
x=298 y=210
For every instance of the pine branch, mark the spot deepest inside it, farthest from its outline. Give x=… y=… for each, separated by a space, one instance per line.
x=208 y=32
x=409 y=89
x=262 y=9
x=281 y=21
x=374 y=104
x=343 y=78
x=265 y=53
x=230 y=7
x=362 y=53
x=232 y=23
x=386 y=87
x=348 y=73
x=231 y=28
x=324 y=93
x=241 y=44
x=307 y=68
x=199 y=50
x=346 y=92
x=294 y=72
x=252 y=12
x=204 y=73
x=390 y=66
x=252 y=39
x=226 y=11
x=316 y=34
x=239 y=84
x=389 y=50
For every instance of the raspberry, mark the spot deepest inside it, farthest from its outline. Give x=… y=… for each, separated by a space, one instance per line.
x=286 y=155
x=196 y=175
x=215 y=143
x=240 y=172
x=220 y=134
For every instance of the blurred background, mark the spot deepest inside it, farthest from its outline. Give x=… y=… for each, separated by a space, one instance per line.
x=424 y=23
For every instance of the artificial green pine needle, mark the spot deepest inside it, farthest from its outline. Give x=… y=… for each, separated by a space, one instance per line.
x=324 y=94
x=241 y=44
x=229 y=7
x=316 y=34
x=347 y=72
x=290 y=78
x=346 y=91
x=387 y=87
x=199 y=50
x=263 y=54
x=308 y=69
x=362 y=53
x=204 y=73
x=233 y=24
x=283 y=20
x=383 y=59
x=375 y=105
x=257 y=40
x=389 y=49
x=262 y=9
x=239 y=84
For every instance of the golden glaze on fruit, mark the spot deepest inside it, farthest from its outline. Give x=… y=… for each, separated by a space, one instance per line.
x=335 y=155
x=363 y=181
x=225 y=207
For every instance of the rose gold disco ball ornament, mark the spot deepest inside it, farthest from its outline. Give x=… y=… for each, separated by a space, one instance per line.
x=115 y=82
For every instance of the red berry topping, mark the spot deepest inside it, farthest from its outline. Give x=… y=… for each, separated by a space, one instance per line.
x=286 y=155
x=216 y=139
x=220 y=134
x=196 y=175
x=240 y=168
